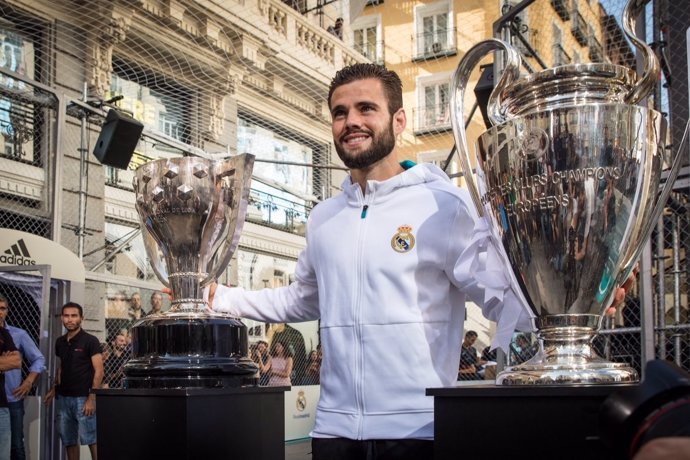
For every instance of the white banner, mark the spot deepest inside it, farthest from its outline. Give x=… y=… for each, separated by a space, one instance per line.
x=300 y=410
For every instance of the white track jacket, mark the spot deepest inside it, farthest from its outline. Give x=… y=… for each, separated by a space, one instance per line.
x=388 y=273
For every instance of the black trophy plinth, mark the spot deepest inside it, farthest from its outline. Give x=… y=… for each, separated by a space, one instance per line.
x=191 y=424
x=535 y=422
x=189 y=351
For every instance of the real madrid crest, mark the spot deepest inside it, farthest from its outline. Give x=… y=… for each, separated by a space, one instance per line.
x=301 y=402
x=403 y=241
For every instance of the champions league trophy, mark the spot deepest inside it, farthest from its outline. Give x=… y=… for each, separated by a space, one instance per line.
x=567 y=181
x=191 y=211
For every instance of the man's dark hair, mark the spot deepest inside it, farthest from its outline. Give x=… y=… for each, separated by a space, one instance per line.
x=470 y=334
x=73 y=305
x=390 y=80
x=4 y=300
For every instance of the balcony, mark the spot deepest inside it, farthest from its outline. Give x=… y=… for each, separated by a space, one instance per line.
x=560 y=57
x=562 y=8
x=432 y=119
x=277 y=212
x=580 y=28
x=435 y=45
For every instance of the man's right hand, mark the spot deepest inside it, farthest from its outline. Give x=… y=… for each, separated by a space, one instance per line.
x=49 y=396
x=211 y=293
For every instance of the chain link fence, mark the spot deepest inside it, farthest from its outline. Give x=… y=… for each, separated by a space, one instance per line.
x=204 y=83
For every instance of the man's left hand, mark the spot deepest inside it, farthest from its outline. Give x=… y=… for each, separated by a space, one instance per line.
x=621 y=292
x=22 y=390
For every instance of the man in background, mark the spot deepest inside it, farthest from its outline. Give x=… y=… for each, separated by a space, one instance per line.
x=156 y=303
x=9 y=359
x=79 y=372
x=16 y=388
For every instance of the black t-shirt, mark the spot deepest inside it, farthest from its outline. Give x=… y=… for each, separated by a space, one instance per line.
x=76 y=369
x=6 y=344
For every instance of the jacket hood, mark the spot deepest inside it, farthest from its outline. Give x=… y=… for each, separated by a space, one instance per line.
x=415 y=175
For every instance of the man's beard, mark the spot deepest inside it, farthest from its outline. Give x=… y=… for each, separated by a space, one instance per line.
x=382 y=144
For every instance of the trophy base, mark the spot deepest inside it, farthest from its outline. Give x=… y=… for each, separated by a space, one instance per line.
x=194 y=350
x=541 y=371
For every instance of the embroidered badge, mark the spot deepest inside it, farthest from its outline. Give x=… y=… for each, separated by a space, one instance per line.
x=403 y=241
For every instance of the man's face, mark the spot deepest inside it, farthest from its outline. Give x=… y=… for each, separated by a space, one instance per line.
x=156 y=302
x=136 y=301
x=469 y=340
x=120 y=342
x=71 y=319
x=4 y=309
x=363 y=129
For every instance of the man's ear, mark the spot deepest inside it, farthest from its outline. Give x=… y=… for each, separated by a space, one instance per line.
x=399 y=121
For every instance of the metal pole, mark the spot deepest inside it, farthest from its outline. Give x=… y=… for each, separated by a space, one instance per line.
x=661 y=287
x=676 y=287
x=646 y=299
x=81 y=228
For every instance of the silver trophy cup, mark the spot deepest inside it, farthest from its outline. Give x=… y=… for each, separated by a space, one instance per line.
x=191 y=212
x=567 y=180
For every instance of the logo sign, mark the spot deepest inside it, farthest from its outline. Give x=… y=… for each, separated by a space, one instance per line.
x=17 y=254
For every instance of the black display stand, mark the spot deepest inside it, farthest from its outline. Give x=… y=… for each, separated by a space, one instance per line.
x=490 y=422
x=191 y=424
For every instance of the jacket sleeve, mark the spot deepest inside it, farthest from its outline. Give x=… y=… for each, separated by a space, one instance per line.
x=479 y=269
x=294 y=303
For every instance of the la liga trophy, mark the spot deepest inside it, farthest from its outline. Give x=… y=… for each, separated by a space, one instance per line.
x=191 y=212
x=567 y=180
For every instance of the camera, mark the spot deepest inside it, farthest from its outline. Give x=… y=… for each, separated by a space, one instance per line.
x=657 y=407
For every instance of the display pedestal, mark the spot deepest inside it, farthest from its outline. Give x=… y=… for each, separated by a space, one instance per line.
x=189 y=424
x=520 y=422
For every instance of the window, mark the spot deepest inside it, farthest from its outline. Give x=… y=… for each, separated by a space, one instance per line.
x=434 y=29
x=279 y=195
x=365 y=34
x=17 y=118
x=433 y=111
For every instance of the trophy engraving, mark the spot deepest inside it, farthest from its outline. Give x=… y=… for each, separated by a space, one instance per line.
x=191 y=212
x=567 y=181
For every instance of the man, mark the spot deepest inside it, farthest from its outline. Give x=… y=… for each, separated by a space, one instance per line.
x=386 y=269
x=135 y=311
x=17 y=389
x=79 y=372
x=9 y=359
x=156 y=303
x=117 y=358
x=469 y=359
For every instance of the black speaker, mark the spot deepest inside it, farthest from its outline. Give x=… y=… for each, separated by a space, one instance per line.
x=483 y=90
x=118 y=139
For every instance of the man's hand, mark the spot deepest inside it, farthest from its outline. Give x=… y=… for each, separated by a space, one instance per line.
x=90 y=405
x=621 y=292
x=23 y=389
x=211 y=293
x=49 y=396
x=670 y=448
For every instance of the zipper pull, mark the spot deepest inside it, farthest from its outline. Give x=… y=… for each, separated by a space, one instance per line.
x=364 y=211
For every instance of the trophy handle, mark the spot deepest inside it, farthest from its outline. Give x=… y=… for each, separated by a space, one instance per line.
x=496 y=115
x=241 y=171
x=646 y=233
x=651 y=64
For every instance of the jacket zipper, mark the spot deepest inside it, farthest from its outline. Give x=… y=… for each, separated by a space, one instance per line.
x=359 y=354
